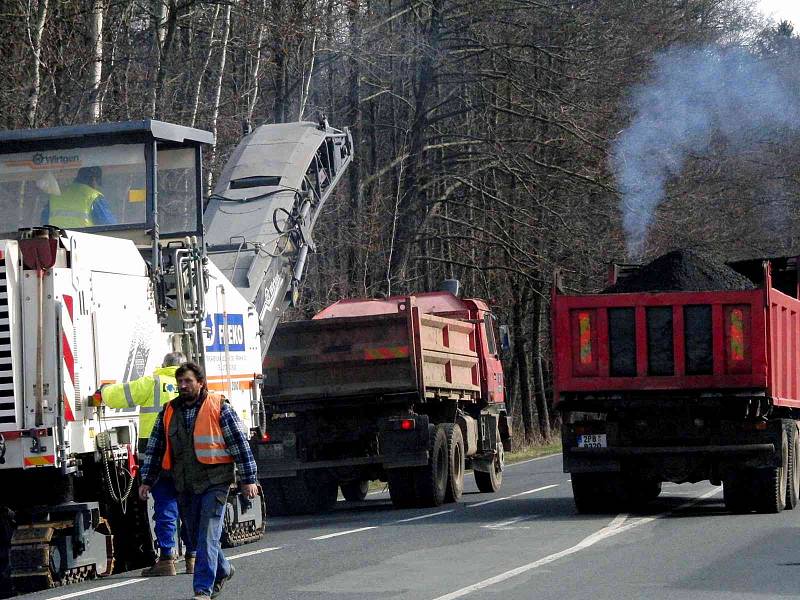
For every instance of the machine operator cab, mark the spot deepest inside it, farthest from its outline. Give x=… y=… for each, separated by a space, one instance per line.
x=136 y=179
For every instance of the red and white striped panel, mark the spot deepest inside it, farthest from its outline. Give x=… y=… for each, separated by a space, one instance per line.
x=68 y=355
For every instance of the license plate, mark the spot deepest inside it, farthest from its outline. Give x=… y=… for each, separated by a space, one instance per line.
x=594 y=440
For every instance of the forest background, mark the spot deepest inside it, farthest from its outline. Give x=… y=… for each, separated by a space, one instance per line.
x=483 y=132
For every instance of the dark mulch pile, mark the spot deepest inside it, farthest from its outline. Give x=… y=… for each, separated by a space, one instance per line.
x=682 y=270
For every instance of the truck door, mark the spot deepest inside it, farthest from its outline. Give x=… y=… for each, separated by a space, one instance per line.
x=495 y=386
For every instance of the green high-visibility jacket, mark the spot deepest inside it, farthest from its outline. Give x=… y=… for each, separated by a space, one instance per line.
x=150 y=392
x=73 y=208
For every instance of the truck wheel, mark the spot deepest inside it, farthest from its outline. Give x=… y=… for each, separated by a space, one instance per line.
x=490 y=482
x=273 y=497
x=590 y=492
x=323 y=490
x=402 y=488
x=736 y=492
x=355 y=490
x=771 y=483
x=793 y=473
x=649 y=490
x=455 y=462
x=432 y=478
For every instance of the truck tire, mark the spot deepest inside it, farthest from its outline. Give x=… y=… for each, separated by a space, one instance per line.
x=643 y=491
x=737 y=493
x=273 y=497
x=432 y=478
x=590 y=492
x=402 y=486
x=455 y=463
x=355 y=490
x=793 y=473
x=770 y=484
x=490 y=482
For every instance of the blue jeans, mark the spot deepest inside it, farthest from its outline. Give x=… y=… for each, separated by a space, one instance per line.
x=204 y=516
x=165 y=515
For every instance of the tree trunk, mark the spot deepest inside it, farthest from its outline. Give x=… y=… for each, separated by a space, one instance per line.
x=36 y=76
x=305 y=89
x=96 y=72
x=163 y=40
x=251 y=104
x=201 y=75
x=226 y=30
x=527 y=400
x=279 y=56
x=411 y=197
x=544 y=412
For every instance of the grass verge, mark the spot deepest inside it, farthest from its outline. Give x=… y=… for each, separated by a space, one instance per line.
x=533 y=452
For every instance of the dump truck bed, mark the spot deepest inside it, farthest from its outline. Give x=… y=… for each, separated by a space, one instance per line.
x=725 y=341
x=374 y=357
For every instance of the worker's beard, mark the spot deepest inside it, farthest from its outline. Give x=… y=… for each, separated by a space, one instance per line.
x=189 y=397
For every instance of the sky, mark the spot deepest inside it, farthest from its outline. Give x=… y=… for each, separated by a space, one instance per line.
x=782 y=9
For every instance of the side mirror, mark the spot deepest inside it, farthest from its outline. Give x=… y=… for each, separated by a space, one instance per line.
x=505 y=338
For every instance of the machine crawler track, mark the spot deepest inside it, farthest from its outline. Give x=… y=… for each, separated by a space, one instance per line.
x=241 y=533
x=36 y=561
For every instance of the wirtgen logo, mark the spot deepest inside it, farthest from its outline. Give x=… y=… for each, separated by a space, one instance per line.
x=47 y=161
x=52 y=159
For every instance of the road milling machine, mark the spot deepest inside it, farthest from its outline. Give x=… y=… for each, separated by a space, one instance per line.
x=94 y=304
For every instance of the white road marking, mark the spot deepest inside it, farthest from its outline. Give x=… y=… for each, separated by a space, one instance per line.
x=507 y=525
x=617 y=526
x=252 y=553
x=338 y=533
x=99 y=589
x=436 y=514
x=111 y=586
x=527 y=460
x=525 y=493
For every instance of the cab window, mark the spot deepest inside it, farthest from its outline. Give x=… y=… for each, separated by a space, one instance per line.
x=488 y=323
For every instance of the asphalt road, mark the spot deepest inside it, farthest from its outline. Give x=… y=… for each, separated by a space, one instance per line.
x=524 y=542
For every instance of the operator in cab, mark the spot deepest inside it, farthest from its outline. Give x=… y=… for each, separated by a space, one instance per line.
x=80 y=204
x=151 y=393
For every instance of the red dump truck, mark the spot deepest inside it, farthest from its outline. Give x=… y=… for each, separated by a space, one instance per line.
x=407 y=390
x=682 y=386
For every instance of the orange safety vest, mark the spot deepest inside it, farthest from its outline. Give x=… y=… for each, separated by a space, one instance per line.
x=209 y=443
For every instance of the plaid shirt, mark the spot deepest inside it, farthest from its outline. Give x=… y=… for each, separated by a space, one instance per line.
x=235 y=440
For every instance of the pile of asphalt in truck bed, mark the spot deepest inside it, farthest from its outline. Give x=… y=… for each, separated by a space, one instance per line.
x=679 y=271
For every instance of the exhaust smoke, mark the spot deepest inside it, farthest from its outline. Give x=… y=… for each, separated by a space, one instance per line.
x=694 y=95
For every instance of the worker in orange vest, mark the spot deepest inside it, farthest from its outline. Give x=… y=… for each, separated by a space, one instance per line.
x=199 y=439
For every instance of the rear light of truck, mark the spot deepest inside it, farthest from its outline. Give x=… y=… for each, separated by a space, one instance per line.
x=406 y=424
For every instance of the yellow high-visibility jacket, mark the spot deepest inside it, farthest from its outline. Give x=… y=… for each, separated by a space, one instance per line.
x=150 y=392
x=73 y=208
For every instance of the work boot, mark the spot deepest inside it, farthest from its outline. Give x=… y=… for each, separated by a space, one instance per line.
x=219 y=583
x=165 y=567
x=189 y=564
